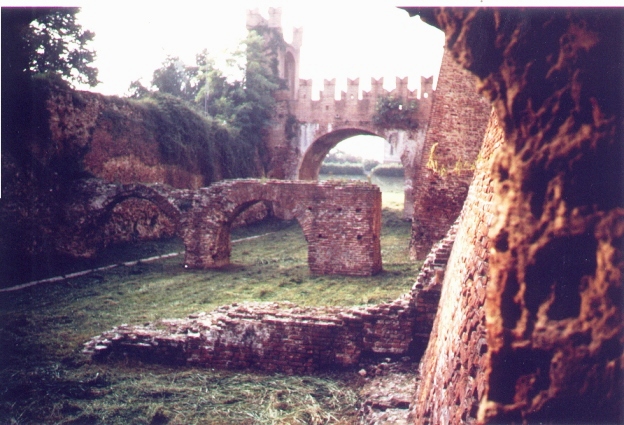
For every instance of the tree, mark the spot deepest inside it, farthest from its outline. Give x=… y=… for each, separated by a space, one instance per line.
x=46 y=40
x=177 y=79
x=37 y=40
x=391 y=112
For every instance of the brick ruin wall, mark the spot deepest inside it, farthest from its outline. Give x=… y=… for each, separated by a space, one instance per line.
x=553 y=301
x=286 y=338
x=99 y=214
x=458 y=119
x=452 y=368
x=323 y=210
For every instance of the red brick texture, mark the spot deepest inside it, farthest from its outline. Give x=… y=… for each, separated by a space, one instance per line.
x=283 y=337
x=553 y=300
x=340 y=221
x=452 y=369
x=457 y=123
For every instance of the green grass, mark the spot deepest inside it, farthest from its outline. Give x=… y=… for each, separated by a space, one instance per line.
x=45 y=378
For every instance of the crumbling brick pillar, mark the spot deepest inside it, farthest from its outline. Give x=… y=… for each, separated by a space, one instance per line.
x=340 y=221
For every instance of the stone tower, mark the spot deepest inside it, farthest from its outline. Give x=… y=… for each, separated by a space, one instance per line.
x=287 y=54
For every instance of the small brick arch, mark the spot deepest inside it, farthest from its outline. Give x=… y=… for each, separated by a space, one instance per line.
x=340 y=221
x=140 y=191
x=313 y=157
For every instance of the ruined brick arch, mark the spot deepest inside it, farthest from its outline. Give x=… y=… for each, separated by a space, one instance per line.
x=313 y=157
x=322 y=209
x=114 y=214
x=216 y=220
x=139 y=191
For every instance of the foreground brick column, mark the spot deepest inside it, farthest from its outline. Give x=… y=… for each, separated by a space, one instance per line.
x=553 y=309
x=341 y=222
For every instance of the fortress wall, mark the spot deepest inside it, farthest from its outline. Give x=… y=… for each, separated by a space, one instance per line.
x=452 y=368
x=456 y=126
x=553 y=301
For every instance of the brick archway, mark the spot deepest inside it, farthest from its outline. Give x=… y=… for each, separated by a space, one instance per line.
x=313 y=157
x=322 y=210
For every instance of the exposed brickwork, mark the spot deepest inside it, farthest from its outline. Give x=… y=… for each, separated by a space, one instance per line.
x=286 y=338
x=553 y=303
x=97 y=214
x=457 y=123
x=274 y=337
x=322 y=210
x=452 y=369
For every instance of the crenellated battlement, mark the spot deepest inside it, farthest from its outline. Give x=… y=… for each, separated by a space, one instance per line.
x=401 y=89
x=327 y=106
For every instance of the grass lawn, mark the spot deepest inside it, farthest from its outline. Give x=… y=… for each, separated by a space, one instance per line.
x=46 y=379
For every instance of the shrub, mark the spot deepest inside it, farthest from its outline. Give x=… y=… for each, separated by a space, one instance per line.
x=388 y=170
x=195 y=142
x=342 y=169
x=395 y=113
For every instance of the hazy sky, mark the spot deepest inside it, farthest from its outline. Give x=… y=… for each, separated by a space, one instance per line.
x=341 y=39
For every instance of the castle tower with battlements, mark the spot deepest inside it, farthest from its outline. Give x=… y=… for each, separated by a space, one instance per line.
x=304 y=129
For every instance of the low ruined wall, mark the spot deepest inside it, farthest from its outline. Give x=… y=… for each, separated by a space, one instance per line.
x=285 y=338
x=452 y=369
x=458 y=119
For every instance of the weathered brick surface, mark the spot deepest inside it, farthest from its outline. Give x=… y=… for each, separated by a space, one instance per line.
x=452 y=369
x=275 y=337
x=96 y=214
x=284 y=337
x=340 y=221
x=553 y=302
x=458 y=119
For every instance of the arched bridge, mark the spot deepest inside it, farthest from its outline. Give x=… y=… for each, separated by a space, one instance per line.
x=317 y=126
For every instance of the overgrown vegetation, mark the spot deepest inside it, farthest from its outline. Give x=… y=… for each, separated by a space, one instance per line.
x=45 y=378
x=346 y=168
x=391 y=112
x=338 y=162
x=239 y=97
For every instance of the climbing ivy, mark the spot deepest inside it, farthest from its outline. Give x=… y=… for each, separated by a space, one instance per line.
x=391 y=112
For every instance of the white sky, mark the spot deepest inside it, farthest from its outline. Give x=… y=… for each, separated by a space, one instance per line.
x=341 y=39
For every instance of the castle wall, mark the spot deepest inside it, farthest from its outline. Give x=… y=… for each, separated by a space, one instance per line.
x=452 y=368
x=455 y=131
x=552 y=305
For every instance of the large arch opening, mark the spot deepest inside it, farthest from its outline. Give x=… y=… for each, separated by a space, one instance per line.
x=318 y=150
x=368 y=158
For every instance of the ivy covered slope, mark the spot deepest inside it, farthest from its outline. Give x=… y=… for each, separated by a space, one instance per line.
x=74 y=134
